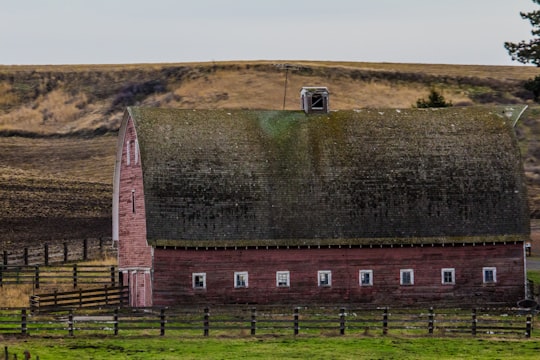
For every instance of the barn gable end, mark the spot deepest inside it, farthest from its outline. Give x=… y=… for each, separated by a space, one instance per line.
x=129 y=218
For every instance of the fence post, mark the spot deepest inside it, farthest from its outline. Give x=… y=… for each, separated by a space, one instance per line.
x=24 y=325
x=113 y=276
x=5 y=257
x=36 y=277
x=80 y=297
x=55 y=297
x=46 y=251
x=474 y=321
x=342 y=321
x=85 y=249
x=431 y=321
x=296 y=325
x=385 y=321
x=253 y=321
x=65 y=252
x=70 y=323
x=25 y=256
x=106 y=295
x=115 y=320
x=74 y=275
x=206 y=321
x=162 y=322
x=528 y=329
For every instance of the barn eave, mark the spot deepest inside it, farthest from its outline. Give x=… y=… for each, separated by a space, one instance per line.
x=364 y=242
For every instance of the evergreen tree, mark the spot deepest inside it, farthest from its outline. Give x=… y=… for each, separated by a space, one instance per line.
x=435 y=100
x=527 y=52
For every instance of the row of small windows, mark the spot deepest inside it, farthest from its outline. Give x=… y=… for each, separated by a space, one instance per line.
x=132 y=144
x=324 y=278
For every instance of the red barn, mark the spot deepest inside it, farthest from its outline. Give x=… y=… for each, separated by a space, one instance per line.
x=378 y=207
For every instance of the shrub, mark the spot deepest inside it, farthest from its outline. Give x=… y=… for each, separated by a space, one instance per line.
x=533 y=85
x=435 y=100
x=133 y=93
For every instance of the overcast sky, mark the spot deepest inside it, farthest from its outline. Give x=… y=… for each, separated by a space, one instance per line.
x=145 y=31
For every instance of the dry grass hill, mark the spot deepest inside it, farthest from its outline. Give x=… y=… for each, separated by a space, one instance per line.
x=58 y=123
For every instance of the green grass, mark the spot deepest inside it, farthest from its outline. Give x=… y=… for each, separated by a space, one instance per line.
x=274 y=348
x=534 y=275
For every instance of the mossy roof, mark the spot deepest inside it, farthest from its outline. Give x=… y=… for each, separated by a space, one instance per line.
x=251 y=177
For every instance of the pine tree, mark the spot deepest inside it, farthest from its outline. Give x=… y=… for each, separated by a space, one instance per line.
x=527 y=52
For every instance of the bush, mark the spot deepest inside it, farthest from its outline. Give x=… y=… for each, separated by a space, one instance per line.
x=133 y=93
x=533 y=85
x=435 y=100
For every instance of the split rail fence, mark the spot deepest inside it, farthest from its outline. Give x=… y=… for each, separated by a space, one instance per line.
x=93 y=298
x=69 y=275
x=58 y=252
x=274 y=321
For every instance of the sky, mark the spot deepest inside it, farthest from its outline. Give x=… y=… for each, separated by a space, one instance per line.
x=35 y=32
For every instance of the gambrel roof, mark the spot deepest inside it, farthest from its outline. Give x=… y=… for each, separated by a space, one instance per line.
x=284 y=178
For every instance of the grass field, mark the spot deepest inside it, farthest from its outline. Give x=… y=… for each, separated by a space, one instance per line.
x=362 y=347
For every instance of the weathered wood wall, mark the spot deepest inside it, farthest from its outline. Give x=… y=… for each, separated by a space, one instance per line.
x=173 y=275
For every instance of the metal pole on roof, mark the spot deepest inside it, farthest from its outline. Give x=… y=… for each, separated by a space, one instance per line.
x=287 y=67
x=285 y=91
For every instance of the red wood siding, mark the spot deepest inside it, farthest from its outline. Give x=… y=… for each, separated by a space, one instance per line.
x=134 y=254
x=173 y=275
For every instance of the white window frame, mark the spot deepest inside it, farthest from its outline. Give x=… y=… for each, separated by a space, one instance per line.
x=136 y=152
x=128 y=152
x=485 y=270
x=361 y=274
x=402 y=272
x=237 y=277
x=283 y=275
x=325 y=275
x=193 y=280
x=443 y=279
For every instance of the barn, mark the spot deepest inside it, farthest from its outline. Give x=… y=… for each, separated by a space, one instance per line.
x=370 y=207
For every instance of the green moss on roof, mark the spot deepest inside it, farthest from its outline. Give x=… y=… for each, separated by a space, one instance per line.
x=246 y=175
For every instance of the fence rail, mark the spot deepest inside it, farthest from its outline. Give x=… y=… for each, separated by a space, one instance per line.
x=59 y=252
x=75 y=275
x=274 y=321
x=99 y=297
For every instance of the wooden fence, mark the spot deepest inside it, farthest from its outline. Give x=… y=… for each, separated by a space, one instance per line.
x=233 y=321
x=94 y=298
x=75 y=275
x=58 y=252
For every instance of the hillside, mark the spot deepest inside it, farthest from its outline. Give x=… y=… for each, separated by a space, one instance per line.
x=58 y=123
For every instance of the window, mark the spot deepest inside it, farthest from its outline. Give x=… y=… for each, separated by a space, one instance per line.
x=133 y=201
x=325 y=278
x=199 y=280
x=128 y=153
x=490 y=275
x=136 y=152
x=241 y=279
x=282 y=279
x=406 y=277
x=317 y=102
x=366 y=277
x=448 y=276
